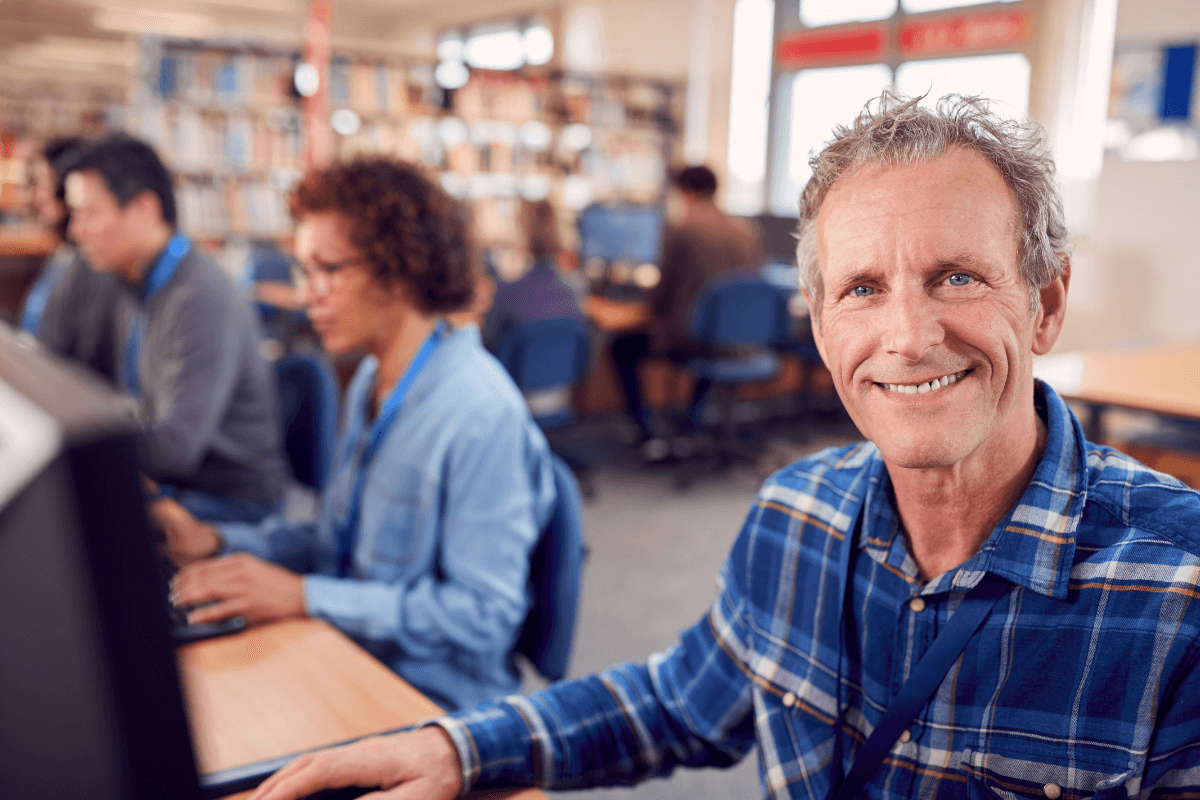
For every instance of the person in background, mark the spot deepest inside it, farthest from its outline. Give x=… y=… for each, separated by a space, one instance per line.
x=933 y=256
x=442 y=483
x=187 y=341
x=703 y=245
x=69 y=307
x=541 y=293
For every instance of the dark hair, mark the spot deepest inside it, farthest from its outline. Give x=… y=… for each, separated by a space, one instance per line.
x=60 y=150
x=57 y=153
x=541 y=228
x=697 y=180
x=409 y=228
x=129 y=167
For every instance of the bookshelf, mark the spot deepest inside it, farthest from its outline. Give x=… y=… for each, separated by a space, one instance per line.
x=228 y=123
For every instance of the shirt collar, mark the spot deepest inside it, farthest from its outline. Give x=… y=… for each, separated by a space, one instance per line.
x=1033 y=546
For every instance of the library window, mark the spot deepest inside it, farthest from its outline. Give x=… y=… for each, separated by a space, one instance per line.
x=818 y=100
x=1003 y=79
x=815 y=13
x=918 y=6
x=750 y=86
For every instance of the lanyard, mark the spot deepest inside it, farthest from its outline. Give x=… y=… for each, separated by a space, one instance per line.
x=922 y=682
x=156 y=279
x=379 y=428
x=39 y=295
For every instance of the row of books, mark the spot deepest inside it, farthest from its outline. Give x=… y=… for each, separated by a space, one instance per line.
x=227 y=207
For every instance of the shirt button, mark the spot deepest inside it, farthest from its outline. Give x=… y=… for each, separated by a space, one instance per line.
x=789 y=699
x=906 y=736
x=917 y=604
x=1052 y=790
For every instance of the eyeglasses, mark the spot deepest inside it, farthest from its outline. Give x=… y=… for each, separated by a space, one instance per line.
x=319 y=278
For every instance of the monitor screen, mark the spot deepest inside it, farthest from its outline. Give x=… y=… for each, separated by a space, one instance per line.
x=90 y=701
x=621 y=233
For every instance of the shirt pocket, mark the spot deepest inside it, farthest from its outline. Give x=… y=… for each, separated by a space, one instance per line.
x=394 y=526
x=1027 y=780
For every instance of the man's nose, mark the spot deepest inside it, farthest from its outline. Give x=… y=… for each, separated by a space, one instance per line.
x=912 y=326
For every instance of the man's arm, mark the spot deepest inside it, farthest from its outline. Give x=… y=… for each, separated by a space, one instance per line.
x=190 y=392
x=1173 y=762
x=691 y=706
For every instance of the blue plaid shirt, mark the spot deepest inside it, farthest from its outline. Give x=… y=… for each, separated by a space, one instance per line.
x=1081 y=683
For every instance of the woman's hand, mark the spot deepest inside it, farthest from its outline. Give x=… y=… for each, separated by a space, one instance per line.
x=238 y=586
x=187 y=539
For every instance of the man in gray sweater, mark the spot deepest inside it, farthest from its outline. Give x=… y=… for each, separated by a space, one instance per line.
x=186 y=341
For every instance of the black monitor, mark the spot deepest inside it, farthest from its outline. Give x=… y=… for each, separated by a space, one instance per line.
x=90 y=700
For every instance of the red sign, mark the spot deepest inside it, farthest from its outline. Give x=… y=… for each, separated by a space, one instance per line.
x=968 y=33
x=804 y=49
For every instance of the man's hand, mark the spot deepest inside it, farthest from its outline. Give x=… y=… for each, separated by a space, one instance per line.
x=420 y=765
x=238 y=585
x=188 y=539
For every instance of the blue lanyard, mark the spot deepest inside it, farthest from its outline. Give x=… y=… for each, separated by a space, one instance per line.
x=387 y=415
x=922 y=682
x=156 y=279
x=39 y=295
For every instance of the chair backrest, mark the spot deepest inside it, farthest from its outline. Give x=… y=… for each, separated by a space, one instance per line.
x=308 y=399
x=741 y=311
x=555 y=575
x=545 y=353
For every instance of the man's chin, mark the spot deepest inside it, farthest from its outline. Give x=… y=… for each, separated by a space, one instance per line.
x=922 y=454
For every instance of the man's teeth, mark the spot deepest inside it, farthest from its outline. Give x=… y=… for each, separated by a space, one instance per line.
x=922 y=388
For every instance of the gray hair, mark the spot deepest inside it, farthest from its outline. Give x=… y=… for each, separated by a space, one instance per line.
x=894 y=129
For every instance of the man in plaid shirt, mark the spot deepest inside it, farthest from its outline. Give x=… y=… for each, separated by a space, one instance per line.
x=933 y=257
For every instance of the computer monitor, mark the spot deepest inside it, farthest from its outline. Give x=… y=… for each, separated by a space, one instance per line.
x=621 y=233
x=90 y=701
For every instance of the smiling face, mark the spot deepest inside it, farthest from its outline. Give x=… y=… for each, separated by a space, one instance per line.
x=925 y=322
x=348 y=306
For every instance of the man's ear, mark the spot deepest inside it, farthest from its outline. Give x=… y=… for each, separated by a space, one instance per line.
x=146 y=205
x=1052 y=309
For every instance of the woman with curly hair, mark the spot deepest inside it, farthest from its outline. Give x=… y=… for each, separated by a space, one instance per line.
x=441 y=482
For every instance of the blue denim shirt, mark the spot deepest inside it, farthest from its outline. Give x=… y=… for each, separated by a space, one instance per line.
x=453 y=504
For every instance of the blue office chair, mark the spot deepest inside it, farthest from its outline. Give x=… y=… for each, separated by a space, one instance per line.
x=740 y=321
x=546 y=354
x=308 y=395
x=543 y=356
x=555 y=576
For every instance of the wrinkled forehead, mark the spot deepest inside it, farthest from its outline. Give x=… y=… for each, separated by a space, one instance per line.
x=956 y=197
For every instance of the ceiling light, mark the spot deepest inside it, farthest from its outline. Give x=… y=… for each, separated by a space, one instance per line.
x=451 y=75
x=307 y=79
x=538 y=43
x=577 y=137
x=495 y=49
x=345 y=121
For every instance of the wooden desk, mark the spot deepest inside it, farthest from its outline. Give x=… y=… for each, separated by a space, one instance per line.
x=1162 y=380
x=289 y=686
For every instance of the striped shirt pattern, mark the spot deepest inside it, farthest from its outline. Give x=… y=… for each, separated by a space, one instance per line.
x=1081 y=683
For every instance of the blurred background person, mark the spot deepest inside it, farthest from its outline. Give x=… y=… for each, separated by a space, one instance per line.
x=69 y=307
x=187 y=341
x=541 y=293
x=442 y=482
x=705 y=243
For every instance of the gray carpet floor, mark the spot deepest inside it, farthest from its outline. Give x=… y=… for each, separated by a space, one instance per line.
x=654 y=556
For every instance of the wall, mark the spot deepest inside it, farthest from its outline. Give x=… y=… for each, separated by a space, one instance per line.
x=1137 y=274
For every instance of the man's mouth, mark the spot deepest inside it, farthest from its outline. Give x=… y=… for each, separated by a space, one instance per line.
x=927 y=386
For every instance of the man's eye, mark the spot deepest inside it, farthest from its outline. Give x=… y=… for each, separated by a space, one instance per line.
x=862 y=291
x=959 y=279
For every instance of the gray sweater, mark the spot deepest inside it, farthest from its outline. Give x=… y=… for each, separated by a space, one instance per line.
x=77 y=322
x=208 y=401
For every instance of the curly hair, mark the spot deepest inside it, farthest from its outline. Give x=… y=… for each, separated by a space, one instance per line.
x=897 y=130
x=410 y=230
